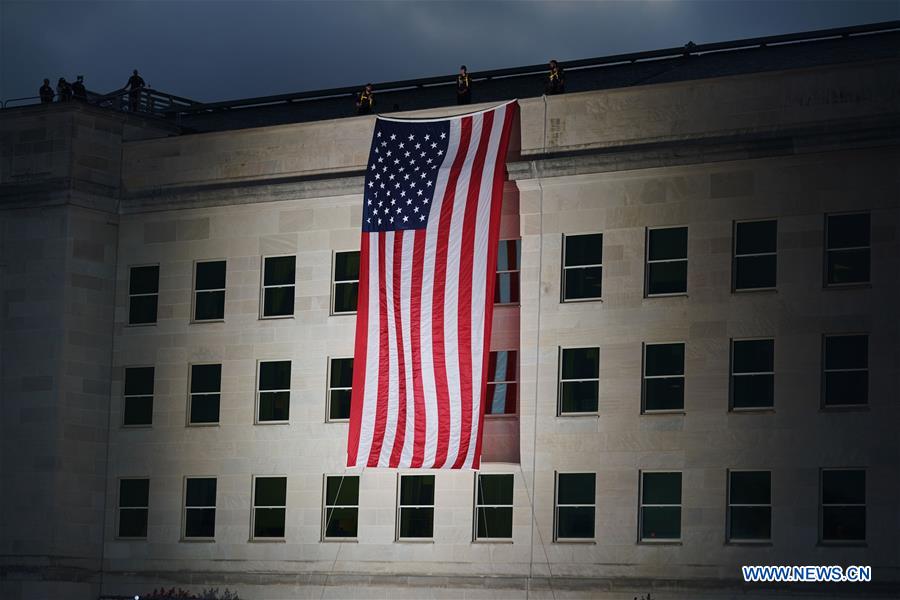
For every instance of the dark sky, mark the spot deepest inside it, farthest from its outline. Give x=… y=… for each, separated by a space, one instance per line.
x=212 y=50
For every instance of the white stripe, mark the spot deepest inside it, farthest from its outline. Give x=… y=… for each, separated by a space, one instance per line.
x=479 y=277
x=451 y=297
x=390 y=428
x=429 y=390
x=370 y=396
x=451 y=118
x=406 y=266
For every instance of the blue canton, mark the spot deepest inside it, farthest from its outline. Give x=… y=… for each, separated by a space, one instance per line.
x=404 y=162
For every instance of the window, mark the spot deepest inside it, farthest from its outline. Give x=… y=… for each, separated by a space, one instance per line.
x=582 y=267
x=493 y=506
x=506 y=287
x=341 y=516
x=847 y=249
x=755 y=258
x=274 y=393
x=346 y=282
x=749 y=506
x=575 y=506
x=340 y=388
x=138 y=409
x=269 y=502
x=279 y=277
x=667 y=261
x=143 y=295
x=752 y=374
x=660 y=506
x=663 y=377
x=846 y=373
x=502 y=387
x=134 y=500
x=843 y=511
x=200 y=507
x=579 y=380
x=209 y=291
x=416 y=509
x=206 y=384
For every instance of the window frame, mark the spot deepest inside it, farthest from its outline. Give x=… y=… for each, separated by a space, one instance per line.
x=505 y=415
x=477 y=505
x=732 y=375
x=184 y=509
x=734 y=257
x=119 y=508
x=254 y=507
x=335 y=282
x=822 y=505
x=128 y=322
x=825 y=370
x=329 y=389
x=728 y=506
x=826 y=250
x=400 y=507
x=259 y=392
x=195 y=291
x=560 y=381
x=263 y=287
x=648 y=262
x=564 y=268
x=519 y=270
x=644 y=377
x=190 y=395
x=641 y=506
x=325 y=506
x=561 y=540
x=125 y=397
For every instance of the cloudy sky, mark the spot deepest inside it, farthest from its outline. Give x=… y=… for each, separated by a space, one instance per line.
x=212 y=50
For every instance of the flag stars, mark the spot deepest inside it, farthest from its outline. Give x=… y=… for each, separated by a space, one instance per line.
x=393 y=136
x=411 y=137
x=443 y=135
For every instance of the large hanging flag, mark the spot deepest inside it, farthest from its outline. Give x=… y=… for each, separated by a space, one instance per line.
x=430 y=231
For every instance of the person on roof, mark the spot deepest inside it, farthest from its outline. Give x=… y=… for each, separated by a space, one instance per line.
x=365 y=100
x=135 y=85
x=78 y=90
x=46 y=92
x=463 y=87
x=556 y=80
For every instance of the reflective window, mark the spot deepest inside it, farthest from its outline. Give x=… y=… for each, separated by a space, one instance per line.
x=269 y=505
x=346 y=282
x=493 y=506
x=663 y=377
x=506 y=287
x=575 y=505
x=582 y=267
x=846 y=370
x=579 y=380
x=416 y=507
x=138 y=406
x=209 y=291
x=755 y=258
x=143 y=294
x=200 y=507
x=660 y=506
x=340 y=388
x=502 y=386
x=134 y=502
x=752 y=374
x=279 y=278
x=206 y=385
x=341 y=516
x=847 y=249
x=843 y=509
x=274 y=393
x=749 y=506
x=667 y=261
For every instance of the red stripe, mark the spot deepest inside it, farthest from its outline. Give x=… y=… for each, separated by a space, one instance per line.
x=359 y=352
x=464 y=304
x=415 y=309
x=440 y=273
x=493 y=241
x=384 y=366
x=400 y=371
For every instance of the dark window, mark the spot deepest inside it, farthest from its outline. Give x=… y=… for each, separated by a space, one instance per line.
x=138 y=408
x=575 y=505
x=269 y=502
x=279 y=277
x=847 y=249
x=663 y=377
x=274 y=390
x=143 y=295
x=846 y=373
x=134 y=500
x=667 y=261
x=346 y=282
x=340 y=388
x=416 y=518
x=579 y=380
x=752 y=374
x=502 y=386
x=583 y=266
x=206 y=384
x=660 y=506
x=843 y=505
x=341 y=518
x=209 y=291
x=749 y=505
x=755 y=258
x=200 y=507
x=493 y=506
x=506 y=287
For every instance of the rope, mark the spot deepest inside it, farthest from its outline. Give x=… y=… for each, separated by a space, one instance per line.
x=325 y=532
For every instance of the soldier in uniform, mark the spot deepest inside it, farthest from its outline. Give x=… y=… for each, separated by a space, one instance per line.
x=46 y=92
x=63 y=90
x=463 y=87
x=135 y=85
x=365 y=100
x=78 y=90
x=556 y=80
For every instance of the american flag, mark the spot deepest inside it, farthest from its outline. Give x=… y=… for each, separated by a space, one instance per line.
x=430 y=231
